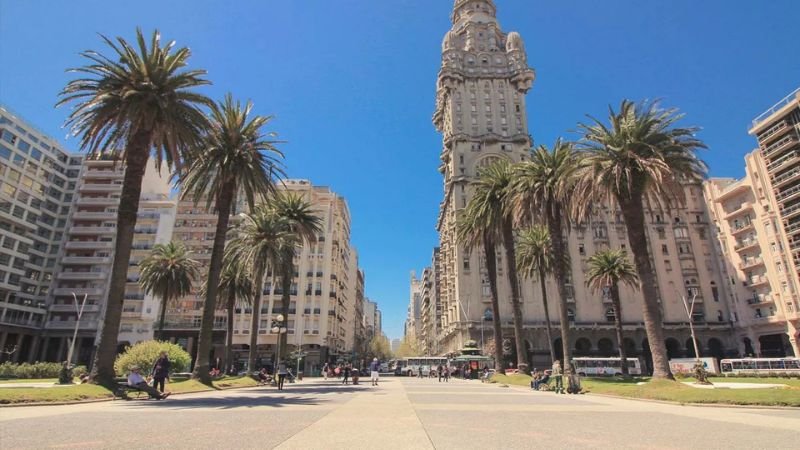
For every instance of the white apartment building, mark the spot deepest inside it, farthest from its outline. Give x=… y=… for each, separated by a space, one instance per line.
x=481 y=113
x=38 y=179
x=758 y=225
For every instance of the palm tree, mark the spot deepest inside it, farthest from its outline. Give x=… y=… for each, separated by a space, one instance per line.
x=235 y=288
x=235 y=157
x=257 y=242
x=542 y=191
x=137 y=103
x=167 y=273
x=471 y=234
x=607 y=269
x=641 y=153
x=303 y=225
x=535 y=257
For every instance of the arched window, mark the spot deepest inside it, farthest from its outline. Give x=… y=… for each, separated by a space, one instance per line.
x=610 y=316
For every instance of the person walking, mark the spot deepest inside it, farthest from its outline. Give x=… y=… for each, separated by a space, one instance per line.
x=446 y=374
x=374 y=371
x=439 y=372
x=160 y=371
x=557 y=375
x=282 y=372
x=346 y=374
x=325 y=370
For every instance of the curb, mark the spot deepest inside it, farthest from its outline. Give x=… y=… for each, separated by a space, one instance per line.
x=111 y=399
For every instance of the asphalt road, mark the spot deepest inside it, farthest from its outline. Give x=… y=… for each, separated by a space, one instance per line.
x=400 y=413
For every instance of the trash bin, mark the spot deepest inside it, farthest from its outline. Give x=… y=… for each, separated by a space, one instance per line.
x=300 y=376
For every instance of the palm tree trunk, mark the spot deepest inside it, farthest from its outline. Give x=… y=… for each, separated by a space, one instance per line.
x=162 y=314
x=136 y=157
x=229 y=332
x=511 y=265
x=560 y=272
x=633 y=212
x=256 y=319
x=491 y=268
x=204 y=341
x=618 y=325
x=547 y=316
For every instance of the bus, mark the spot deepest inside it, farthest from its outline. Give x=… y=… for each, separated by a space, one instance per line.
x=760 y=366
x=411 y=366
x=605 y=366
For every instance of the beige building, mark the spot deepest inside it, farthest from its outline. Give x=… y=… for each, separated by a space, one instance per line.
x=480 y=111
x=758 y=223
x=38 y=180
x=85 y=265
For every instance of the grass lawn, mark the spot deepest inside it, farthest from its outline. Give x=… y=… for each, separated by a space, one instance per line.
x=679 y=392
x=29 y=380
x=80 y=392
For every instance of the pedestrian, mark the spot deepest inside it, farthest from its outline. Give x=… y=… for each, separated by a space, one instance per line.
x=374 y=371
x=557 y=375
x=136 y=380
x=325 y=370
x=345 y=374
x=160 y=371
x=419 y=372
x=446 y=374
x=439 y=371
x=281 y=375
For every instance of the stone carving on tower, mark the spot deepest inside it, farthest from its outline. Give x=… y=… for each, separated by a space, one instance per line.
x=480 y=111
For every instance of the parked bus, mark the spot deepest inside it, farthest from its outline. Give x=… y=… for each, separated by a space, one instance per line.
x=411 y=366
x=605 y=366
x=760 y=366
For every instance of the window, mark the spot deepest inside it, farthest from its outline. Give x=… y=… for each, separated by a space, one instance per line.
x=664 y=249
x=581 y=250
x=668 y=265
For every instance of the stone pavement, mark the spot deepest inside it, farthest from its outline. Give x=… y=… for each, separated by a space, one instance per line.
x=401 y=413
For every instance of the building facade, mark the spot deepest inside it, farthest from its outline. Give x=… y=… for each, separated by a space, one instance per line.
x=481 y=113
x=38 y=181
x=758 y=228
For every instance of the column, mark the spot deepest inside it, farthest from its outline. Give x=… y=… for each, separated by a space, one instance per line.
x=793 y=332
x=3 y=337
x=34 y=348
x=43 y=351
x=15 y=355
x=62 y=344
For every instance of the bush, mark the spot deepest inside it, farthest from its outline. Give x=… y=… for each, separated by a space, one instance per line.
x=79 y=371
x=144 y=354
x=30 y=371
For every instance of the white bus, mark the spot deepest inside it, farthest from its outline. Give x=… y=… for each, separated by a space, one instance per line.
x=760 y=366
x=605 y=366
x=412 y=366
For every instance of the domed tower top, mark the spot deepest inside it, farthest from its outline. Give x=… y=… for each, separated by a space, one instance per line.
x=474 y=11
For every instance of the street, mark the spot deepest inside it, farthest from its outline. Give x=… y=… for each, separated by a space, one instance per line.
x=399 y=413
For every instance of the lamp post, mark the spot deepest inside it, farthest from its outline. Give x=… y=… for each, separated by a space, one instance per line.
x=279 y=328
x=79 y=311
x=689 y=308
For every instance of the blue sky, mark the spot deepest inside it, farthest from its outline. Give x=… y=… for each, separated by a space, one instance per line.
x=352 y=83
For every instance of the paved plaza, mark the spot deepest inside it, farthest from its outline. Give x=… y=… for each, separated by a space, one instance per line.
x=400 y=413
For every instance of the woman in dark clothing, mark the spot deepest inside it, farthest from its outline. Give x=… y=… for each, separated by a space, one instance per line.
x=160 y=371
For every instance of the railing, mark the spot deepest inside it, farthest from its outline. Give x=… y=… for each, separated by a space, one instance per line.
x=774 y=165
x=781 y=103
x=777 y=145
x=750 y=263
x=790 y=210
x=759 y=300
x=781 y=178
x=744 y=244
x=792 y=228
x=788 y=193
x=780 y=126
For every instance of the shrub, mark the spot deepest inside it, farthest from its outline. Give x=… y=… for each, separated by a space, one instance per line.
x=30 y=371
x=79 y=371
x=144 y=354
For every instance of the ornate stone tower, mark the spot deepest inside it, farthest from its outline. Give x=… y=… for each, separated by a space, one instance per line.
x=480 y=111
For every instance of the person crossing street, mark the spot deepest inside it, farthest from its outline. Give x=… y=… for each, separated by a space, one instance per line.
x=374 y=371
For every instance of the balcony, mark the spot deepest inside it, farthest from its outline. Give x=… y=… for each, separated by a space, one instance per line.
x=89 y=245
x=91 y=174
x=793 y=228
x=83 y=230
x=778 y=163
x=78 y=291
x=750 y=263
x=788 y=193
x=790 y=211
x=94 y=215
x=757 y=281
x=776 y=130
x=91 y=187
x=761 y=300
x=780 y=145
x=70 y=307
x=786 y=177
x=97 y=201
x=70 y=325
x=738 y=229
x=82 y=276
x=745 y=245
x=22 y=322
x=744 y=207
x=86 y=260
x=132 y=314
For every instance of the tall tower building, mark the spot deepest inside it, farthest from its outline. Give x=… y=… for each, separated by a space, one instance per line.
x=480 y=111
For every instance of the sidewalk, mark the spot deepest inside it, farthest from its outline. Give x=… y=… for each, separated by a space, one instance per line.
x=381 y=416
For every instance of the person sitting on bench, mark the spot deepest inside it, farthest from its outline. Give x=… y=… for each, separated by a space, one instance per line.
x=136 y=380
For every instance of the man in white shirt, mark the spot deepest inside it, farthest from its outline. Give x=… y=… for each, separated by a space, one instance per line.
x=135 y=379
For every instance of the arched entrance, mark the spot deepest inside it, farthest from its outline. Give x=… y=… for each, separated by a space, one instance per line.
x=748 y=347
x=583 y=347
x=715 y=348
x=647 y=357
x=673 y=348
x=630 y=346
x=690 y=348
x=558 y=349
x=772 y=346
x=605 y=347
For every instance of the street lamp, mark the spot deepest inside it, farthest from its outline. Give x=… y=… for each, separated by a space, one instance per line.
x=79 y=311
x=279 y=328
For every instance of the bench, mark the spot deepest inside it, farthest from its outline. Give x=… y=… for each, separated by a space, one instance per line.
x=123 y=389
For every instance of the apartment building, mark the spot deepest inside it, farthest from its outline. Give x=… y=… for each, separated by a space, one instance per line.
x=758 y=228
x=430 y=308
x=413 y=325
x=480 y=111
x=84 y=268
x=38 y=180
